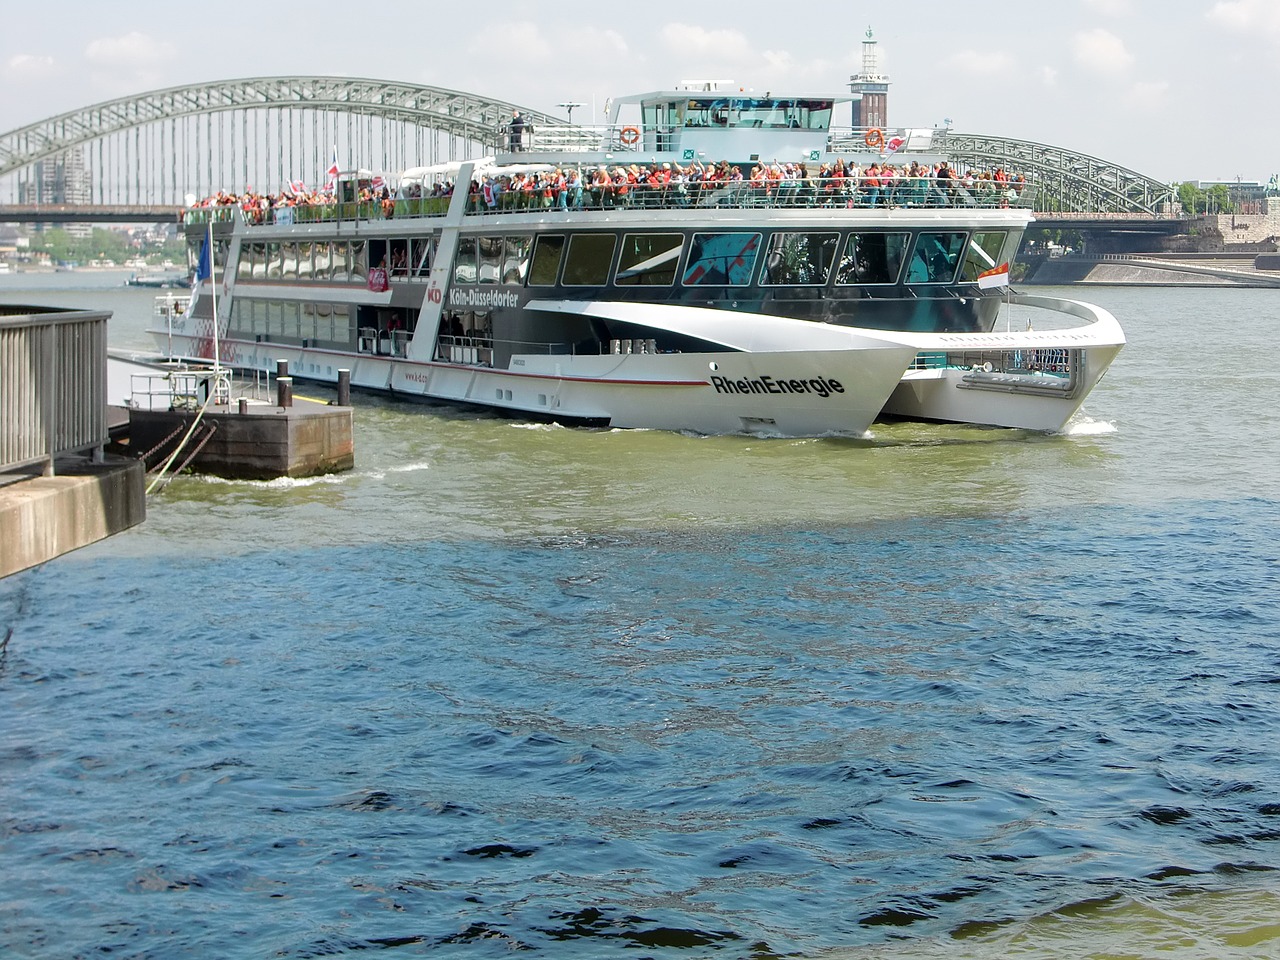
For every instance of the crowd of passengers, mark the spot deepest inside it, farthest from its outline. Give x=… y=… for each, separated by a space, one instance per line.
x=673 y=184
x=260 y=207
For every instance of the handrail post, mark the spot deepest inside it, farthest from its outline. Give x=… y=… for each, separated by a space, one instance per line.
x=48 y=399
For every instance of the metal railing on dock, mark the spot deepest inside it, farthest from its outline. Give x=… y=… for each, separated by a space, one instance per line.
x=53 y=385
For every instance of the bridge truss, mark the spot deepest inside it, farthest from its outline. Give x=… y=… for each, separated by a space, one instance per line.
x=156 y=147
x=1066 y=181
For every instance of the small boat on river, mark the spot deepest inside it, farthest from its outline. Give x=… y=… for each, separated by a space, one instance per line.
x=637 y=275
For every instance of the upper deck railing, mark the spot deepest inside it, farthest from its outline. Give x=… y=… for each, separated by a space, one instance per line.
x=624 y=138
x=53 y=384
x=496 y=196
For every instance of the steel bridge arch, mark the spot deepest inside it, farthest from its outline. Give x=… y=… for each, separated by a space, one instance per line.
x=1064 y=179
x=464 y=115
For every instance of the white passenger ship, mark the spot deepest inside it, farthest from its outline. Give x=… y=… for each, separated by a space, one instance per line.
x=796 y=305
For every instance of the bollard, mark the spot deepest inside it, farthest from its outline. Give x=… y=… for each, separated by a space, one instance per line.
x=344 y=388
x=244 y=406
x=282 y=368
x=284 y=392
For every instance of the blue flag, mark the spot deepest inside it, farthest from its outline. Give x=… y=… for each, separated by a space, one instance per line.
x=204 y=269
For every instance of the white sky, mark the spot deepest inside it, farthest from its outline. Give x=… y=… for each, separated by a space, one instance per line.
x=1175 y=89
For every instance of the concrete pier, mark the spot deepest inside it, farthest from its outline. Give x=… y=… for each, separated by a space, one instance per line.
x=43 y=517
x=261 y=443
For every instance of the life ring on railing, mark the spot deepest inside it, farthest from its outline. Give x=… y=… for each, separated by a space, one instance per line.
x=875 y=138
x=630 y=136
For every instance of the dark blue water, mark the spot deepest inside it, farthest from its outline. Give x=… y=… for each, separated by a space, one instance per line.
x=514 y=689
x=762 y=743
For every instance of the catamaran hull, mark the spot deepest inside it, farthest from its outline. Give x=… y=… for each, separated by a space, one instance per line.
x=1030 y=380
x=783 y=393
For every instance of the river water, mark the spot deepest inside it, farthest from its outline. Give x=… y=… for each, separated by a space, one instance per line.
x=945 y=692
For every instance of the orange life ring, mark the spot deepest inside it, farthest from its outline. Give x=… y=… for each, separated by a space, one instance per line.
x=629 y=136
x=875 y=138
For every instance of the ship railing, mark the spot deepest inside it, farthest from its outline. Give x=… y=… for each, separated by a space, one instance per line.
x=383 y=343
x=813 y=193
x=1052 y=361
x=228 y=213
x=842 y=192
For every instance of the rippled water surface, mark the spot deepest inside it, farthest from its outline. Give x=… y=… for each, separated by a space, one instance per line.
x=504 y=687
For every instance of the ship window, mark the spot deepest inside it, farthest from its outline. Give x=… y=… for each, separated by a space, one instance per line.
x=489 y=267
x=588 y=260
x=935 y=257
x=721 y=259
x=289 y=252
x=423 y=254
x=273 y=261
x=398 y=258
x=304 y=261
x=515 y=263
x=343 y=324
x=339 y=260
x=464 y=264
x=546 y=260
x=799 y=258
x=982 y=253
x=324 y=261
x=872 y=258
x=244 y=267
x=649 y=259
x=359 y=262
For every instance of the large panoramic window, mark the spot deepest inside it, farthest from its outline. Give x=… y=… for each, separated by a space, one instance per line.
x=982 y=253
x=546 y=260
x=721 y=259
x=872 y=258
x=648 y=259
x=799 y=258
x=935 y=257
x=588 y=260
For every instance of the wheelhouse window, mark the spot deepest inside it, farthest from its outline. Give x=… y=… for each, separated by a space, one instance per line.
x=756 y=112
x=546 y=260
x=935 y=257
x=982 y=253
x=799 y=259
x=721 y=259
x=648 y=259
x=590 y=255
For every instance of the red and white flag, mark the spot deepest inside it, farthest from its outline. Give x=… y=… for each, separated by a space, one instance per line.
x=894 y=144
x=995 y=277
x=332 y=172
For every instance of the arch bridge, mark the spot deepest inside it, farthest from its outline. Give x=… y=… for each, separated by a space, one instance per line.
x=155 y=148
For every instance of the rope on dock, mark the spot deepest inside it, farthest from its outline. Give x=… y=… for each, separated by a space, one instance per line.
x=178 y=449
